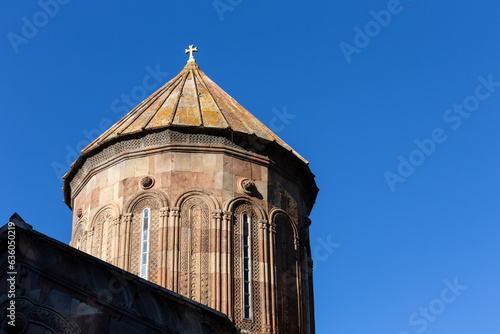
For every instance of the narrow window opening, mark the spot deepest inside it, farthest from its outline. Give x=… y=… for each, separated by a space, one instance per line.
x=247 y=297
x=146 y=218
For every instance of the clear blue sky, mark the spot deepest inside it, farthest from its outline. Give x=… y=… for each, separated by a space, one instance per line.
x=361 y=91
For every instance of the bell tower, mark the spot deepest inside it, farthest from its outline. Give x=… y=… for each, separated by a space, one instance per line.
x=191 y=192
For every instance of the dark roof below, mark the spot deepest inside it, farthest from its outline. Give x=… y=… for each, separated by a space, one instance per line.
x=68 y=291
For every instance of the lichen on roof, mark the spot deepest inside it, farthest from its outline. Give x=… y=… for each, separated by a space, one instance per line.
x=190 y=99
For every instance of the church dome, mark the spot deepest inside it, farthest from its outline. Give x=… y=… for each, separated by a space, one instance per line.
x=189 y=103
x=191 y=100
x=191 y=192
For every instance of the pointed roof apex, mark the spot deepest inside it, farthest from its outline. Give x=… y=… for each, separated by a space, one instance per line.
x=192 y=100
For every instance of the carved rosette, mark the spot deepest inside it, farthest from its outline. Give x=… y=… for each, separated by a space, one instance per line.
x=175 y=212
x=147 y=182
x=245 y=185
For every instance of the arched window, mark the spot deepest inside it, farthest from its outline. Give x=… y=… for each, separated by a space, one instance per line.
x=247 y=288
x=146 y=219
x=144 y=249
x=245 y=242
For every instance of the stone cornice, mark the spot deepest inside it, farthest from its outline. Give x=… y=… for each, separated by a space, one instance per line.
x=281 y=162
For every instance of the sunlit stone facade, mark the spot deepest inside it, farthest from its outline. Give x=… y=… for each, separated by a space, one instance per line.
x=214 y=213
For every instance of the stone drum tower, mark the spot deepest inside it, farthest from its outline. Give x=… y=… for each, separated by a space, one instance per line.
x=193 y=193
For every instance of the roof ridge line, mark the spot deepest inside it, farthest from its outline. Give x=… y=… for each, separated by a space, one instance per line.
x=244 y=123
x=146 y=123
x=124 y=119
x=176 y=106
x=213 y=99
x=197 y=96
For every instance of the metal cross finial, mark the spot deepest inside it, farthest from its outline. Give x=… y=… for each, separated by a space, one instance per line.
x=191 y=49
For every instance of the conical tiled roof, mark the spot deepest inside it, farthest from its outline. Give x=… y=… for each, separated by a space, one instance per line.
x=190 y=99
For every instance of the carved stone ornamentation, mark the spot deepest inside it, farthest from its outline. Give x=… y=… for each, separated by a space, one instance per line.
x=272 y=227
x=175 y=212
x=164 y=212
x=49 y=318
x=117 y=220
x=103 y=234
x=245 y=185
x=147 y=182
x=255 y=324
x=236 y=237
x=217 y=215
x=78 y=240
x=263 y=224
x=127 y=218
x=154 y=237
x=194 y=252
x=227 y=216
x=20 y=324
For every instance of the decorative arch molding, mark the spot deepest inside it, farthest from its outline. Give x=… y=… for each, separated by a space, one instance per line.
x=287 y=259
x=102 y=232
x=113 y=207
x=80 y=224
x=195 y=244
x=209 y=198
x=247 y=258
x=159 y=196
x=39 y=316
x=232 y=203
x=79 y=234
x=157 y=203
x=275 y=214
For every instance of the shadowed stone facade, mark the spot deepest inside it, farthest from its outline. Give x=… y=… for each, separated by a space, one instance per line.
x=226 y=211
x=62 y=290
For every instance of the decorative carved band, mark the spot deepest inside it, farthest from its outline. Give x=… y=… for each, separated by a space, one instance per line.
x=227 y=215
x=217 y=214
x=175 y=212
x=263 y=224
x=117 y=220
x=272 y=227
x=127 y=217
x=152 y=139
x=164 y=212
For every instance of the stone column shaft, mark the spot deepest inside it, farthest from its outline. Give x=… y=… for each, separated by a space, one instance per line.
x=267 y=303
x=227 y=279
x=162 y=266
x=216 y=286
x=127 y=219
x=175 y=254
x=274 y=291
x=116 y=243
